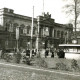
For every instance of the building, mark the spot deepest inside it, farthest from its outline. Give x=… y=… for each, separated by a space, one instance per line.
x=51 y=33
x=77 y=36
x=48 y=33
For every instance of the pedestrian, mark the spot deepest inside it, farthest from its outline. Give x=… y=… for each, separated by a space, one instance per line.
x=33 y=52
x=38 y=54
x=28 y=52
x=61 y=53
x=46 y=53
x=52 y=55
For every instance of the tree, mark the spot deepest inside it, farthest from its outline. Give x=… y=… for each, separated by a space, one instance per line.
x=73 y=9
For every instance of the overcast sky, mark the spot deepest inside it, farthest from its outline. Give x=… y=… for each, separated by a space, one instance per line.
x=24 y=7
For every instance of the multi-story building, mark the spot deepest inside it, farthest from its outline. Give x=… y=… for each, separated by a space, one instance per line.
x=49 y=33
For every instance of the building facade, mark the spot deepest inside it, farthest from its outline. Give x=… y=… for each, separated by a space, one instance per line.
x=45 y=30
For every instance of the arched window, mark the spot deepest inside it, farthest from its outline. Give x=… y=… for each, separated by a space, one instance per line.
x=22 y=25
x=25 y=30
x=34 y=30
x=28 y=29
x=22 y=28
x=11 y=26
x=65 y=34
x=7 y=26
x=14 y=26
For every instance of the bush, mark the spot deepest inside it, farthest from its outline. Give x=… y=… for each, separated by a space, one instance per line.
x=27 y=60
x=61 y=66
x=74 y=65
x=41 y=62
x=18 y=57
x=8 y=58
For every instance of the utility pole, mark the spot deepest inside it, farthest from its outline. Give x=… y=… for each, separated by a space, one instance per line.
x=43 y=7
x=75 y=18
x=37 y=39
x=32 y=32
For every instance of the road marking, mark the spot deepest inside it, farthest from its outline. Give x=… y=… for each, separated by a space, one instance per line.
x=63 y=73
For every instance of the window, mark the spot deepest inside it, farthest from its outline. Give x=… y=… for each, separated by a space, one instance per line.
x=58 y=34
x=28 y=29
x=11 y=27
x=14 y=27
x=25 y=31
x=54 y=33
x=46 y=31
x=34 y=30
x=62 y=34
x=22 y=28
x=7 y=26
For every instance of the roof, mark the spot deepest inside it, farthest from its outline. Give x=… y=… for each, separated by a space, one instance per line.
x=66 y=45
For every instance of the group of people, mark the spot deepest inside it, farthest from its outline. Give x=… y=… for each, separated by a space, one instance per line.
x=48 y=52
x=28 y=52
x=59 y=53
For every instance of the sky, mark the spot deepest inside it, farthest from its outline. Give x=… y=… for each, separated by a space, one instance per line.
x=25 y=7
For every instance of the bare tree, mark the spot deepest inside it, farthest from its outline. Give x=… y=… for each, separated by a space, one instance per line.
x=73 y=9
